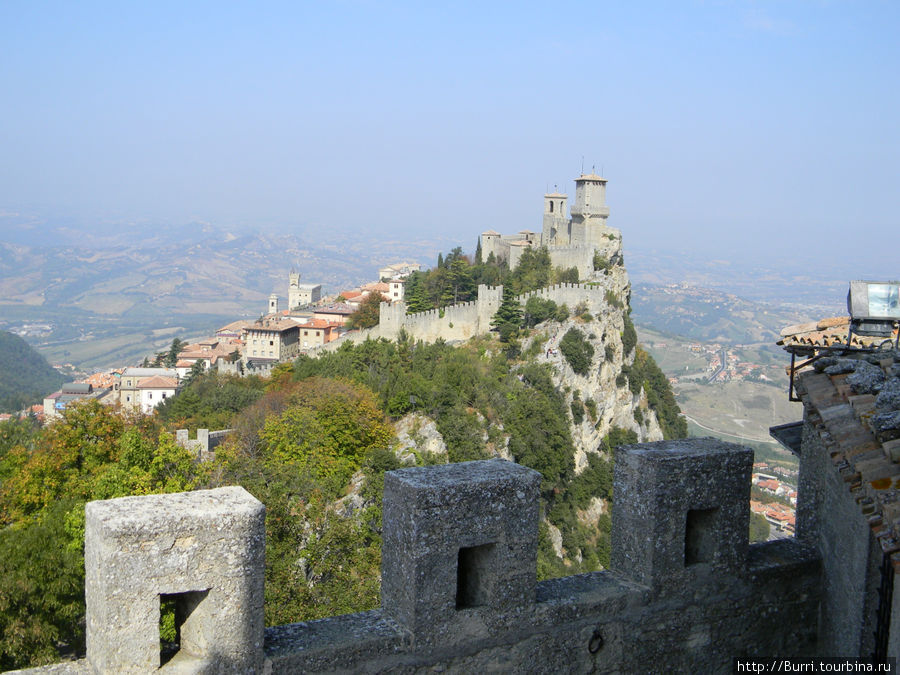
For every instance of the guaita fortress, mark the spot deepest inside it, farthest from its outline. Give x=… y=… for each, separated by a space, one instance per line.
x=572 y=242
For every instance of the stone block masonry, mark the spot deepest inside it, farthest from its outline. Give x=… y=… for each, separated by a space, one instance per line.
x=686 y=593
x=459 y=553
x=681 y=511
x=205 y=551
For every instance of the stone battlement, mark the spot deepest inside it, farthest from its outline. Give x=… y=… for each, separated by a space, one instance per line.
x=684 y=591
x=468 y=319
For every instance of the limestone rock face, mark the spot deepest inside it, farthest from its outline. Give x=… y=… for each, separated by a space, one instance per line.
x=417 y=433
x=615 y=404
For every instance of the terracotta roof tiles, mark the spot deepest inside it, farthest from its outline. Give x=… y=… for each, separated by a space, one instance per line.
x=825 y=333
x=865 y=454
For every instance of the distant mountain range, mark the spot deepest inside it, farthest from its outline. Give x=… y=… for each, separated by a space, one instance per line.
x=25 y=375
x=105 y=297
x=219 y=274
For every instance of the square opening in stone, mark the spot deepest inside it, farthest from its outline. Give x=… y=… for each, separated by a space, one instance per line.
x=175 y=610
x=700 y=536
x=475 y=570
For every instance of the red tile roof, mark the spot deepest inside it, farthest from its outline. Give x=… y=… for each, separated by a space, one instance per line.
x=858 y=443
x=158 y=382
x=825 y=333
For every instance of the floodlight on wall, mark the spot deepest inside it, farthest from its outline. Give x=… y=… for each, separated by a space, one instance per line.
x=874 y=307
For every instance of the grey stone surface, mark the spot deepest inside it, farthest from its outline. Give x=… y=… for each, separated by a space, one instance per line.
x=885 y=421
x=680 y=507
x=829 y=518
x=205 y=548
x=888 y=398
x=833 y=365
x=866 y=378
x=459 y=551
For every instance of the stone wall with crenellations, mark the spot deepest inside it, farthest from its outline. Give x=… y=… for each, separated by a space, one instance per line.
x=685 y=591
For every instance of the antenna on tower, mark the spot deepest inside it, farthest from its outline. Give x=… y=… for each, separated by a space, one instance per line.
x=582 y=165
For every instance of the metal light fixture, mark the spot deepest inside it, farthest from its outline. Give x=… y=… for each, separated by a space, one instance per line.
x=874 y=307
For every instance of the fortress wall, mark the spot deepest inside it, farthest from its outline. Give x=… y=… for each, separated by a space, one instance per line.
x=579 y=257
x=465 y=320
x=594 y=296
x=829 y=517
x=684 y=591
x=468 y=319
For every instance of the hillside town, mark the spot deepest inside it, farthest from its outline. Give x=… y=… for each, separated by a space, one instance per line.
x=723 y=364
x=241 y=347
x=780 y=514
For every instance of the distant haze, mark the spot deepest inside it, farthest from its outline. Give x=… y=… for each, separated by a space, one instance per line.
x=735 y=130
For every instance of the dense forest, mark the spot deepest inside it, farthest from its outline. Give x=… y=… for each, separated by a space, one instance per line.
x=312 y=442
x=25 y=376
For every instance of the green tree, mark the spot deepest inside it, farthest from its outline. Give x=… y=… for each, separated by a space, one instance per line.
x=197 y=369
x=538 y=309
x=508 y=317
x=564 y=276
x=459 y=280
x=368 y=313
x=533 y=270
x=759 y=527
x=41 y=591
x=629 y=335
x=577 y=351
x=326 y=430
x=171 y=357
x=415 y=295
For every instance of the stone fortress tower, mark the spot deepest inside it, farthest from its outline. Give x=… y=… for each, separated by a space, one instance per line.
x=293 y=289
x=571 y=241
x=300 y=295
x=589 y=213
x=556 y=224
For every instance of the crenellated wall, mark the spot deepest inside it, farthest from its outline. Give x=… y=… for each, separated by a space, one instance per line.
x=685 y=592
x=468 y=319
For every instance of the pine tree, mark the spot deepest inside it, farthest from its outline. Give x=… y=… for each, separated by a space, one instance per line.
x=460 y=283
x=415 y=296
x=509 y=316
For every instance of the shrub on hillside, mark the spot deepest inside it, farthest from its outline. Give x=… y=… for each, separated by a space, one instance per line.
x=577 y=351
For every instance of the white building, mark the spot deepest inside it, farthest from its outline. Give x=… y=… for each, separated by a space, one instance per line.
x=155 y=390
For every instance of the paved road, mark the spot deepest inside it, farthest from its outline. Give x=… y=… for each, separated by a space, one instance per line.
x=725 y=433
x=712 y=378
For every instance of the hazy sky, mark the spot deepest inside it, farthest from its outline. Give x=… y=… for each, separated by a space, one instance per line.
x=729 y=127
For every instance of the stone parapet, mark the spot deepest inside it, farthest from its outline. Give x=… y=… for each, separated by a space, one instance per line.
x=458 y=579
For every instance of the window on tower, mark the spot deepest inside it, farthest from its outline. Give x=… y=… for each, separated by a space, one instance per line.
x=551 y=207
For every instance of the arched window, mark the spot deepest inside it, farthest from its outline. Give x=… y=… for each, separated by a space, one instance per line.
x=551 y=207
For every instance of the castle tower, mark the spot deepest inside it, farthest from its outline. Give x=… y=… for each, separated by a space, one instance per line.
x=273 y=304
x=293 y=289
x=589 y=213
x=556 y=224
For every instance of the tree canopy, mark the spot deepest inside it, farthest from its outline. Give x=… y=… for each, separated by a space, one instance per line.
x=368 y=313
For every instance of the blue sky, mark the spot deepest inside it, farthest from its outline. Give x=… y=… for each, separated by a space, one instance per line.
x=723 y=127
